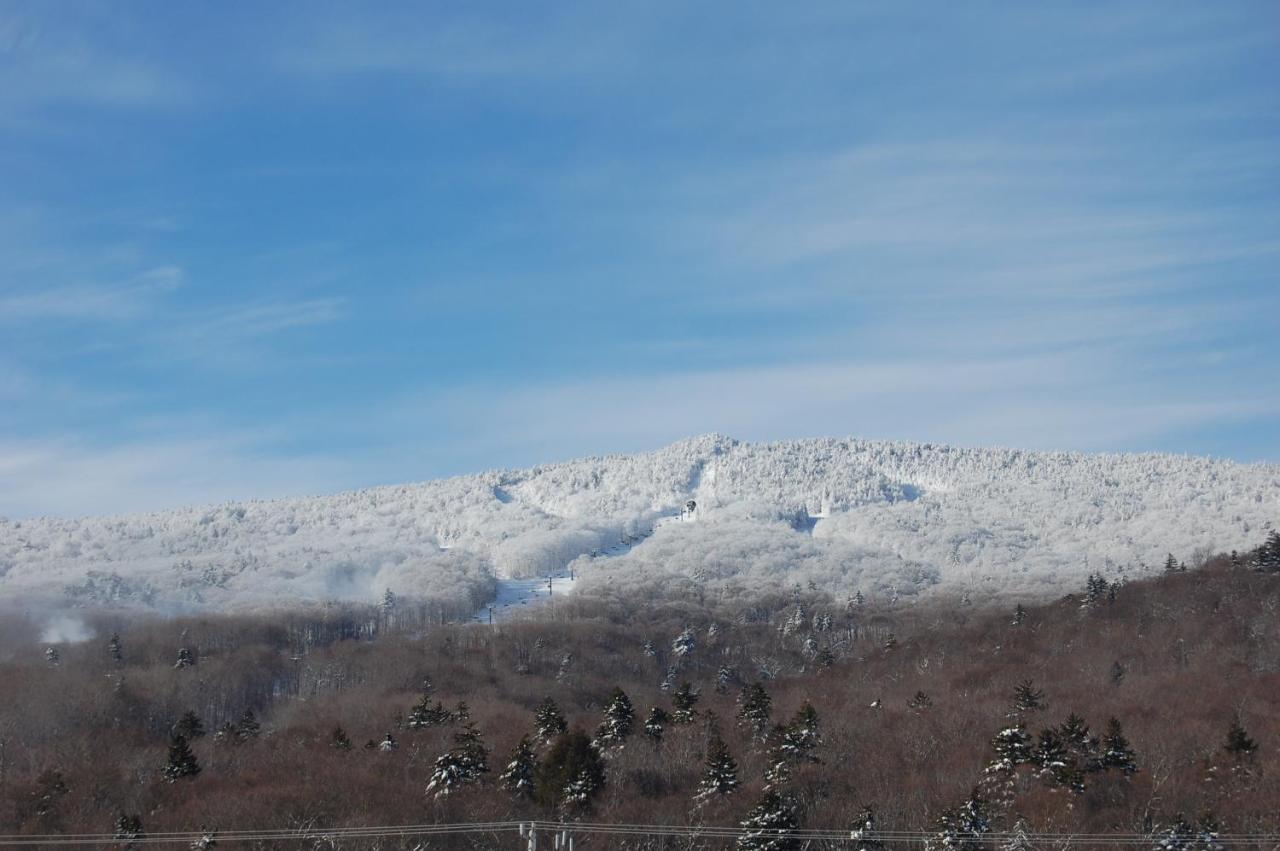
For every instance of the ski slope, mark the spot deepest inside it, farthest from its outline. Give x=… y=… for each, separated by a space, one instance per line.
x=889 y=519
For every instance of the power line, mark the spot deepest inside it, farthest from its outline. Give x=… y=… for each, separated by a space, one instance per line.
x=521 y=830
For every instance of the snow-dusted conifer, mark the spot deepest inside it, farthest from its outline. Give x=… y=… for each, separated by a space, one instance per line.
x=755 y=707
x=801 y=736
x=339 y=740
x=461 y=765
x=518 y=777
x=685 y=643
x=1238 y=743
x=1116 y=752
x=182 y=762
x=1027 y=698
x=683 y=702
x=548 y=721
x=720 y=774
x=771 y=825
x=189 y=726
x=655 y=725
x=863 y=831
x=618 y=719
x=185 y=658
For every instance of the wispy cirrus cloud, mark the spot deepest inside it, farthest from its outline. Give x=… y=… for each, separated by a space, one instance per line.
x=93 y=302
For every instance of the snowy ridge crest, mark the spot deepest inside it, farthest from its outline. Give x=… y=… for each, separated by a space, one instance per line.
x=885 y=518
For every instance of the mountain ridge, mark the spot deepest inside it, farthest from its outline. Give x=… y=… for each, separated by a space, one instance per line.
x=864 y=513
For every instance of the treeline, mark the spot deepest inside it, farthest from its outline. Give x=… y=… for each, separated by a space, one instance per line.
x=1147 y=708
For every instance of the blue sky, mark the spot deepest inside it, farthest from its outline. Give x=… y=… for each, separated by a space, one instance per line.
x=263 y=249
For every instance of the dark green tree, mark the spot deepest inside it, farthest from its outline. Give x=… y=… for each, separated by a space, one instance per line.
x=656 y=724
x=182 y=761
x=1238 y=743
x=548 y=721
x=619 y=716
x=720 y=774
x=189 y=726
x=770 y=825
x=571 y=775
x=519 y=775
x=755 y=707
x=683 y=702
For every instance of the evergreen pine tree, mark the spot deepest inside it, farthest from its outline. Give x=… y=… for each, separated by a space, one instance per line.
x=518 y=777
x=1019 y=615
x=1170 y=564
x=683 y=702
x=571 y=774
x=248 y=727
x=770 y=825
x=863 y=831
x=185 y=658
x=189 y=726
x=1116 y=752
x=1027 y=698
x=1018 y=840
x=388 y=744
x=548 y=722
x=1083 y=748
x=52 y=656
x=129 y=831
x=1013 y=747
x=801 y=737
x=339 y=740
x=1117 y=673
x=461 y=765
x=1053 y=762
x=684 y=644
x=720 y=776
x=51 y=786
x=114 y=649
x=754 y=709
x=1238 y=743
x=919 y=701
x=963 y=828
x=182 y=762
x=655 y=725
x=618 y=719
x=825 y=657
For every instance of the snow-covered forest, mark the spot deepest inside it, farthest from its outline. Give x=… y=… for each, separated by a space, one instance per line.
x=887 y=519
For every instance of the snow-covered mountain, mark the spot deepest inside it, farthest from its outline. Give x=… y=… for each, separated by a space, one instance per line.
x=886 y=518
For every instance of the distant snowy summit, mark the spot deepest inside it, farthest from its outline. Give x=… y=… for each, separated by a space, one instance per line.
x=709 y=515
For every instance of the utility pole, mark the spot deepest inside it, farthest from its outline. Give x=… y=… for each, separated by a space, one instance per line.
x=491 y=616
x=548 y=586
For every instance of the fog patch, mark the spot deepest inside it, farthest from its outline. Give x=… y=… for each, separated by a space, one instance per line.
x=65 y=629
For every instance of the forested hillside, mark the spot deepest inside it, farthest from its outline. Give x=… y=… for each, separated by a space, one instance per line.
x=1149 y=708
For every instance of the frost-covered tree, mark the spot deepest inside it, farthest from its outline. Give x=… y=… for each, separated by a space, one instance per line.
x=518 y=777
x=1238 y=744
x=1019 y=838
x=424 y=714
x=388 y=744
x=655 y=724
x=720 y=773
x=1013 y=747
x=755 y=708
x=770 y=825
x=619 y=716
x=548 y=721
x=683 y=702
x=52 y=657
x=1116 y=751
x=182 y=761
x=189 y=726
x=571 y=774
x=685 y=643
x=185 y=658
x=463 y=764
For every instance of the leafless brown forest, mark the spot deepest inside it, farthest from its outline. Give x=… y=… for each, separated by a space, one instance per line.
x=1175 y=659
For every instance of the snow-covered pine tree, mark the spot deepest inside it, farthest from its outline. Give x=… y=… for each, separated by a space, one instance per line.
x=185 y=658
x=755 y=707
x=801 y=737
x=685 y=643
x=619 y=716
x=1019 y=615
x=825 y=658
x=1012 y=747
x=683 y=702
x=182 y=762
x=770 y=825
x=339 y=740
x=189 y=726
x=548 y=721
x=1116 y=752
x=426 y=714
x=388 y=744
x=1053 y=763
x=720 y=774
x=52 y=657
x=655 y=724
x=463 y=764
x=114 y=649
x=777 y=765
x=1170 y=564
x=1238 y=744
x=963 y=828
x=863 y=831
x=518 y=777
